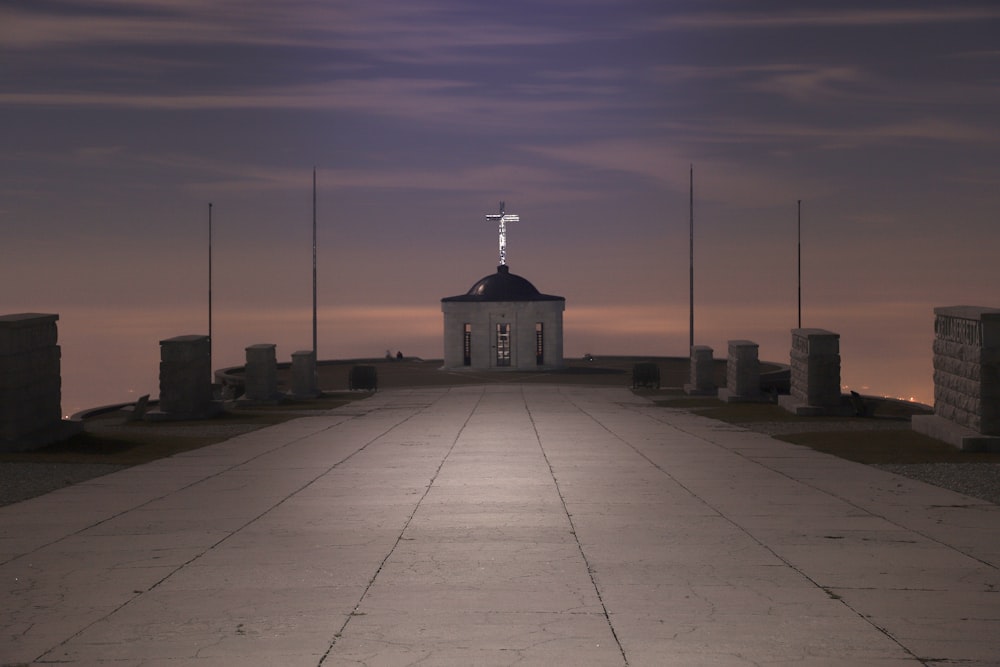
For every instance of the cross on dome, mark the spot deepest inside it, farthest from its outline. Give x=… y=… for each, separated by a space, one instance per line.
x=502 y=219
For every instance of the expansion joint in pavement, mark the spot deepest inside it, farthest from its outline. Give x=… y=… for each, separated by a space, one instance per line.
x=576 y=538
x=406 y=524
x=221 y=541
x=721 y=513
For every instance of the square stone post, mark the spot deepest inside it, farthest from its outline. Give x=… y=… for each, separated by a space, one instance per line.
x=261 y=373
x=966 y=379
x=702 y=372
x=30 y=382
x=742 y=372
x=815 y=382
x=185 y=378
x=304 y=379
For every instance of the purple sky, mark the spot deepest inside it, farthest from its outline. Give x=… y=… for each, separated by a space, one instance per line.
x=122 y=119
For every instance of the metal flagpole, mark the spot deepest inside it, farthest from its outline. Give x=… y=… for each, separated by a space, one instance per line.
x=210 y=286
x=691 y=238
x=314 y=265
x=800 y=260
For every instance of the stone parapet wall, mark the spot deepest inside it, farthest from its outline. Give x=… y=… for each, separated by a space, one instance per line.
x=30 y=380
x=967 y=367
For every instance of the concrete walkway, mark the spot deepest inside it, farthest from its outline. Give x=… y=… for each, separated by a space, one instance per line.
x=500 y=525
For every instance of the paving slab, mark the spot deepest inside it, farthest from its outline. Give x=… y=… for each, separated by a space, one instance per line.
x=503 y=524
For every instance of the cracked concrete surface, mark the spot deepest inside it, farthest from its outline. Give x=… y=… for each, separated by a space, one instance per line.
x=500 y=525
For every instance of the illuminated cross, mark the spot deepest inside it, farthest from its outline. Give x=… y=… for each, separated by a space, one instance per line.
x=503 y=218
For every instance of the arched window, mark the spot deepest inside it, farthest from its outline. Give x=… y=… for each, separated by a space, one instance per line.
x=467 y=345
x=539 y=344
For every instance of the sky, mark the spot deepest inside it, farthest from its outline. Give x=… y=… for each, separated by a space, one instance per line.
x=123 y=119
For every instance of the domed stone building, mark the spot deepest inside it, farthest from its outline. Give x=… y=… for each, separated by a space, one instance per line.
x=503 y=322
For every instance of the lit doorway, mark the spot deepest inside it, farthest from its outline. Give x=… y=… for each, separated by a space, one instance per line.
x=503 y=344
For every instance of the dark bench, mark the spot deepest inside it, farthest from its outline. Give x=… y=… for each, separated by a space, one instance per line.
x=363 y=377
x=645 y=374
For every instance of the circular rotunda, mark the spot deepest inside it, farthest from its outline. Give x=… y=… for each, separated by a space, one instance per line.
x=503 y=322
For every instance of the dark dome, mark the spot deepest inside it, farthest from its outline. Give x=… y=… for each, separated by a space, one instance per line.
x=503 y=286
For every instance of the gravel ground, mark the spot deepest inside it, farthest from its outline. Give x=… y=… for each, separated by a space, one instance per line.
x=784 y=428
x=206 y=430
x=20 y=481
x=979 y=480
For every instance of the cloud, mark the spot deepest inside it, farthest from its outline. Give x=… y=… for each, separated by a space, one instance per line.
x=830 y=18
x=811 y=84
x=170 y=22
x=214 y=175
x=428 y=32
x=449 y=103
x=718 y=179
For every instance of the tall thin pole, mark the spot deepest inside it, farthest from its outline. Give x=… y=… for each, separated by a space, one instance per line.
x=799 y=225
x=691 y=276
x=210 y=286
x=314 y=263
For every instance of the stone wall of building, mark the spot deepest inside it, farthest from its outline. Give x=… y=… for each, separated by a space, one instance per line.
x=967 y=367
x=523 y=317
x=30 y=380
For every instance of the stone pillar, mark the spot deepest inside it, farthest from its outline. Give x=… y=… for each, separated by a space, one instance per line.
x=742 y=372
x=304 y=380
x=702 y=372
x=966 y=378
x=30 y=381
x=186 y=378
x=261 y=373
x=815 y=382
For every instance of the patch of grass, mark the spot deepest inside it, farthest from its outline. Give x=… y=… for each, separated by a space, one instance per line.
x=736 y=413
x=142 y=441
x=887 y=446
x=750 y=413
x=98 y=448
x=328 y=401
x=870 y=446
x=686 y=402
